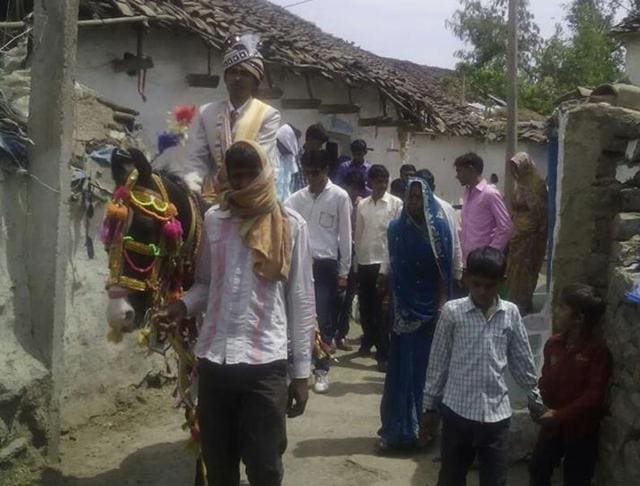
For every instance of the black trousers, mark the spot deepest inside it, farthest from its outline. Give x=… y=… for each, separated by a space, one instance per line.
x=325 y=276
x=371 y=316
x=579 y=456
x=241 y=410
x=462 y=440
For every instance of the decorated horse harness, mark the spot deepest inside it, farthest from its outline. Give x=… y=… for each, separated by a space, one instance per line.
x=172 y=262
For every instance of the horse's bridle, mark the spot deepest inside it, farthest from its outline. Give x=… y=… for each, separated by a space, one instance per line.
x=131 y=197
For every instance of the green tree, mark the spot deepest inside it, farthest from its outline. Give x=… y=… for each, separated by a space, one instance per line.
x=483 y=27
x=593 y=56
x=583 y=55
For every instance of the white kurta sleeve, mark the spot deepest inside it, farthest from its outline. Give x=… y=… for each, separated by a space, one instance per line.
x=346 y=236
x=267 y=136
x=199 y=161
x=301 y=305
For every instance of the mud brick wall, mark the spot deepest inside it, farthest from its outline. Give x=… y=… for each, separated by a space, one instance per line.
x=598 y=242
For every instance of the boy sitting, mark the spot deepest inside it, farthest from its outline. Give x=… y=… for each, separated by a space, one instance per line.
x=573 y=384
x=475 y=339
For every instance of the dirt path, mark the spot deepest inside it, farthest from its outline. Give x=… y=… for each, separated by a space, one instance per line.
x=333 y=444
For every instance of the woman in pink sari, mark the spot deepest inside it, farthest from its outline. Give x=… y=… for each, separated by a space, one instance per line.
x=528 y=244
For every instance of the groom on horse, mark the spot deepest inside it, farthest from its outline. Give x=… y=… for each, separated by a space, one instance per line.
x=242 y=117
x=254 y=283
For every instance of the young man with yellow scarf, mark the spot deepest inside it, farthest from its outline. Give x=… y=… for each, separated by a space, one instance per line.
x=254 y=282
x=219 y=124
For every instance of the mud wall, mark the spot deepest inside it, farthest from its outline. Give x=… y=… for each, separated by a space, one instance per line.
x=24 y=381
x=94 y=371
x=598 y=242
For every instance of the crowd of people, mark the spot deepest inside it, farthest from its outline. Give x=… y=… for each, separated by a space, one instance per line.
x=299 y=232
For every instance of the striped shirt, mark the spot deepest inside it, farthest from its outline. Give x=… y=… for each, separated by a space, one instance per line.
x=469 y=357
x=250 y=319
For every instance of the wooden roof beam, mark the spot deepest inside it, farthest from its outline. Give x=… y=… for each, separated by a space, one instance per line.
x=301 y=103
x=338 y=109
x=94 y=22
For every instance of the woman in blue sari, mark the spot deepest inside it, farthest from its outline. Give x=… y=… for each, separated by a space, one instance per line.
x=422 y=280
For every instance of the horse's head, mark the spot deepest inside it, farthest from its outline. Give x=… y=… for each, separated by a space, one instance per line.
x=143 y=232
x=123 y=162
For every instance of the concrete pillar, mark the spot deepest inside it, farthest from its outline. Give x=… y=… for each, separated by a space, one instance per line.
x=51 y=128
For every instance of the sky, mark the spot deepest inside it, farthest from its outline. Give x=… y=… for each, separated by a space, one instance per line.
x=413 y=30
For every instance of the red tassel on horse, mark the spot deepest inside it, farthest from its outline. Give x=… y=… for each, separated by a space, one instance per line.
x=172 y=230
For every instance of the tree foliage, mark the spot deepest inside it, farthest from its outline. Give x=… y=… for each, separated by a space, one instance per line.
x=580 y=54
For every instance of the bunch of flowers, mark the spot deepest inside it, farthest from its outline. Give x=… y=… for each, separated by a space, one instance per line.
x=177 y=127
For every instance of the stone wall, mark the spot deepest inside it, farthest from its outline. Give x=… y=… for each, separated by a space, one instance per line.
x=95 y=371
x=598 y=242
x=620 y=440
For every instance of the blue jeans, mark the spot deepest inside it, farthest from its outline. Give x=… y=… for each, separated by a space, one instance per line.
x=325 y=276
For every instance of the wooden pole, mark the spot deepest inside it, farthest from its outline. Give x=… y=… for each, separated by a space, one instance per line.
x=512 y=95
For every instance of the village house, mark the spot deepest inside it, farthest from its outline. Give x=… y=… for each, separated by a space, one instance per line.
x=153 y=55
x=628 y=31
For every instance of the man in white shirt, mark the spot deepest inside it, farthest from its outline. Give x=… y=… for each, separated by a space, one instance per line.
x=242 y=117
x=373 y=216
x=326 y=208
x=254 y=283
x=454 y=225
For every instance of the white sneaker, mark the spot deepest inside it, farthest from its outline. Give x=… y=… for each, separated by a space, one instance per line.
x=321 y=384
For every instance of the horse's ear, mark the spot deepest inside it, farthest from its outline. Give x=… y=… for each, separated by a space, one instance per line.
x=121 y=166
x=142 y=164
x=124 y=161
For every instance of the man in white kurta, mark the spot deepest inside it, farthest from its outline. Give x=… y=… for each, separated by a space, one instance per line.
x=254 y=285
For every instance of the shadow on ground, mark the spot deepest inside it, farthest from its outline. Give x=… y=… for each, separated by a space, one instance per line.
x=340 y=389
x=166 y=464
x=347 y=446
x=347 y=361
x=427 y=466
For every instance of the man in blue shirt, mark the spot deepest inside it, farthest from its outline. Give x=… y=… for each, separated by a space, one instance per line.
x=357 y=162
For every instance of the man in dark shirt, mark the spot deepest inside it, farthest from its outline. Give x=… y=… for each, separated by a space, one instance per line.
x=399 y=186
x=358 y=162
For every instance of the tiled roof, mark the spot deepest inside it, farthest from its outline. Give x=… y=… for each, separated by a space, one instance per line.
x=300 y=45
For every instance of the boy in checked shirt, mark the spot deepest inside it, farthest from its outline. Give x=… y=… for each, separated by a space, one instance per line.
x=477 y=337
